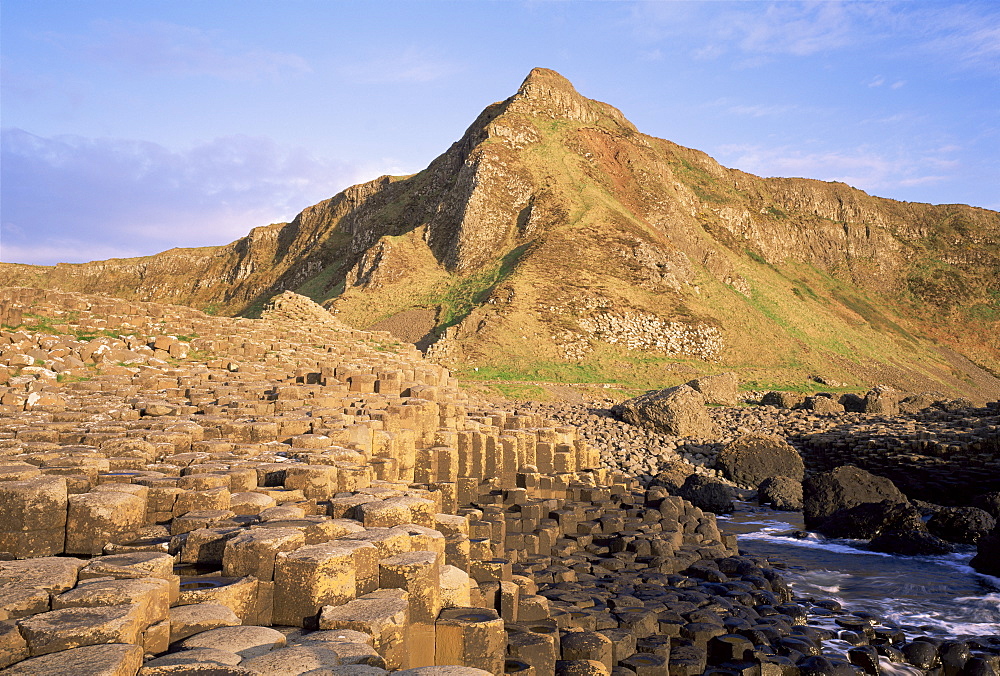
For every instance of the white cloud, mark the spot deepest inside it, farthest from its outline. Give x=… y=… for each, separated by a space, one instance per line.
x=411 y=65
x=159 y=47
x=72 y=199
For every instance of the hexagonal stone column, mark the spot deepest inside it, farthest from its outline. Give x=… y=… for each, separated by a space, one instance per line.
x=471 y=637
x=95 y=519
x=33 y=516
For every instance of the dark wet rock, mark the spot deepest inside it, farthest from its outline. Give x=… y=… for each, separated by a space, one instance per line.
x=988 y=502
x=871 y=519
x=752 y=458
x=921 y=654
x=819 y=665
x=953 y=655
x=891 y=653
x=987 y=558
x=978 y=666
x=709 y=494
x=844 y=487
x=909 y=543
x=961 y=524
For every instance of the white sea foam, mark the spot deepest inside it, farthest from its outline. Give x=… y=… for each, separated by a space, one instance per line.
x=811 y=540
x=937 y=594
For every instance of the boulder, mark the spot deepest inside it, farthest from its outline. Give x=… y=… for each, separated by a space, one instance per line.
x=822 y=403
x=961 y=524
x=723 y=389
x=709 y=494
x=783 y=399
x=672 y=475
x=914 y=403
x=678 y=411
x=883 y=400
x=852 y=403
x=987 y=558
x=751 y=458
x=871 y=519
x=954 y=405
x=988 y=502
x=909 y=543
x=781 y=492
x=841 y=488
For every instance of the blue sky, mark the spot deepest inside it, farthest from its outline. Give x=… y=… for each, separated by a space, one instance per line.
x=134 y=127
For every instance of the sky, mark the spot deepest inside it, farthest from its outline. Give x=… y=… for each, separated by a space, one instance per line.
x=134 y=127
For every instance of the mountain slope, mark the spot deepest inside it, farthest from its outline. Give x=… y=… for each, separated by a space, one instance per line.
x=555 y=241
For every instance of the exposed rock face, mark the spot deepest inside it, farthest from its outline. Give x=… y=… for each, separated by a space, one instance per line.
x=843 y=488
x=753 y=458
x=679 y=411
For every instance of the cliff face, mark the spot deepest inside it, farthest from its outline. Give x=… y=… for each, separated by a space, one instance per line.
x=553 y=232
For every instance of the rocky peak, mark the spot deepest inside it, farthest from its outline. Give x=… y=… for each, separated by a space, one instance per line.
x=546 y=93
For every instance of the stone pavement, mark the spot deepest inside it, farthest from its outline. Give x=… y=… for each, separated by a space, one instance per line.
x=289 y=495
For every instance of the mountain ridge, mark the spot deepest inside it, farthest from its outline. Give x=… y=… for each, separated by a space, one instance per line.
x=553 y=231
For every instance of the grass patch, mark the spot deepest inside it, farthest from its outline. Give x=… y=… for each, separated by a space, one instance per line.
x=872 y=315
x=702 y=183
x=519 y=391
x=551 y=372
x=810 y=387
x=464 y=294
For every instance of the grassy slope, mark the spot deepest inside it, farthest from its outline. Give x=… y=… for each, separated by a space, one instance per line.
x=810 y=321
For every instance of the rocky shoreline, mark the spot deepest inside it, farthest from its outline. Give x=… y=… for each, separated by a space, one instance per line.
x=189 y=494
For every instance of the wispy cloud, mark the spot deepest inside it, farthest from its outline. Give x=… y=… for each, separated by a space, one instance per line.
x=72 y=199
x=798 y=29
x=761 y=110
x=959 y=35
x=754 y=31
x=966 y=35
x=159 y=47
x=862 y=167
x=410 y=65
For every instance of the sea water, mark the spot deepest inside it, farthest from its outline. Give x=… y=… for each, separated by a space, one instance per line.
x=939 y=596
